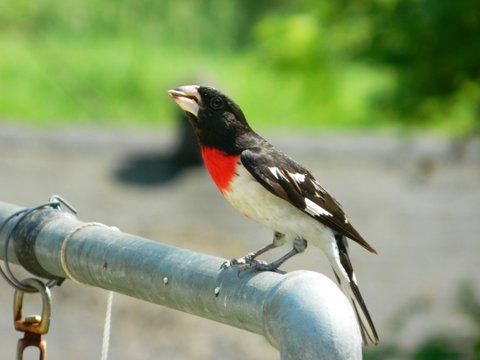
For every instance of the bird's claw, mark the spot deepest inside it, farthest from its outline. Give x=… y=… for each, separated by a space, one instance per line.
x=226 y=265
x=264 y=266
x=249 y=263
x=252 y=265
x=243 y=261
x=260 y=265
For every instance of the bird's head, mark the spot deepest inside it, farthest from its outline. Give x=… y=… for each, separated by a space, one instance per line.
x=216 y=119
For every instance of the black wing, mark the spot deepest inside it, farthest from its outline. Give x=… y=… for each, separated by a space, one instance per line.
x=290 y=181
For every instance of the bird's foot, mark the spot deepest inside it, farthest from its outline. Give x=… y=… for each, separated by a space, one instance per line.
x=252 y=265
x=264 y=266
x=243 y=261
x=248 y=262
x=259 y=265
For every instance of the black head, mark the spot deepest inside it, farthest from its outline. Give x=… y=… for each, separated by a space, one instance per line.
x=216 y=119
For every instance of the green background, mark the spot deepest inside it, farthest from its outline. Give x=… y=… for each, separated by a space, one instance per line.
x=384 y=64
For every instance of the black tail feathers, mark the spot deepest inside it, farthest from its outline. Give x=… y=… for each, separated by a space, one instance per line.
x=349 y=285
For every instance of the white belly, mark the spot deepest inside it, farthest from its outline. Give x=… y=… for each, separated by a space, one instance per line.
x=251 y=199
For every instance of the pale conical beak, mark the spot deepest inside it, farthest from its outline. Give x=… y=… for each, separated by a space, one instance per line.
x=187 y=97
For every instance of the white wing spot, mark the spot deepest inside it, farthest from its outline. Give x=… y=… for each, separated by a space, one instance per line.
x=274 y=170
x=354 y=278
x=314 y=209
x=298 y=177
x=277 y=173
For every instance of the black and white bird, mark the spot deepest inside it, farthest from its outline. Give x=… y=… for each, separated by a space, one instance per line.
x=267 y=186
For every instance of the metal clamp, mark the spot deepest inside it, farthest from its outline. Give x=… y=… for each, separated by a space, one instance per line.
x=34 y=326
x=25 y=254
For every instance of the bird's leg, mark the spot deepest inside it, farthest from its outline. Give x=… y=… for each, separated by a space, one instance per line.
x=278 y=240
x=299 y=246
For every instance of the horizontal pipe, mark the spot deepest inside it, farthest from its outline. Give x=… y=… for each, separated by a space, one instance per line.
x=302 y=313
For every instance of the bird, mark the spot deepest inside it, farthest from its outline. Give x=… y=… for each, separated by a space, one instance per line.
x=268 y=187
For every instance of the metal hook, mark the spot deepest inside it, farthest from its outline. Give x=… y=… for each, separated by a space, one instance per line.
x=57 y=200
x=34 y=326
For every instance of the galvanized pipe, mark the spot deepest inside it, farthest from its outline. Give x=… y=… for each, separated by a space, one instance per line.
x=302 y=313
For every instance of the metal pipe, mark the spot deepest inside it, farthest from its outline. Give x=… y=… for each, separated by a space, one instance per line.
x=302 y=313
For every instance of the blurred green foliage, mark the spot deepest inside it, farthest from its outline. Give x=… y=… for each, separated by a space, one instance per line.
x=334 y=64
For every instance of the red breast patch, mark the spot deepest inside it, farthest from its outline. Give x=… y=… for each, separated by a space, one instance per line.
x=220 y=165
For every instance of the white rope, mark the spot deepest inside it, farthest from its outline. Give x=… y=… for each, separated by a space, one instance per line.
x=63 y=250
x=63 y=261
x=106 y=327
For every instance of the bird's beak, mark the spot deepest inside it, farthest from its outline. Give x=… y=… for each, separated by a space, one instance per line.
x=187 y=97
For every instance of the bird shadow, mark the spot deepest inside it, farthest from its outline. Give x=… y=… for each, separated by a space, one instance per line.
x=156 y=168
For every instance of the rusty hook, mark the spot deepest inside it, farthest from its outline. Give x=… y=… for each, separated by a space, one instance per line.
x=34 y=326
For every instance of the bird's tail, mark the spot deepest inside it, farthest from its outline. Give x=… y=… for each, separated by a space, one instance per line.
x=345 y=276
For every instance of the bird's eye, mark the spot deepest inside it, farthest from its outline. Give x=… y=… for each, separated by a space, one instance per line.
x=216 y=103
